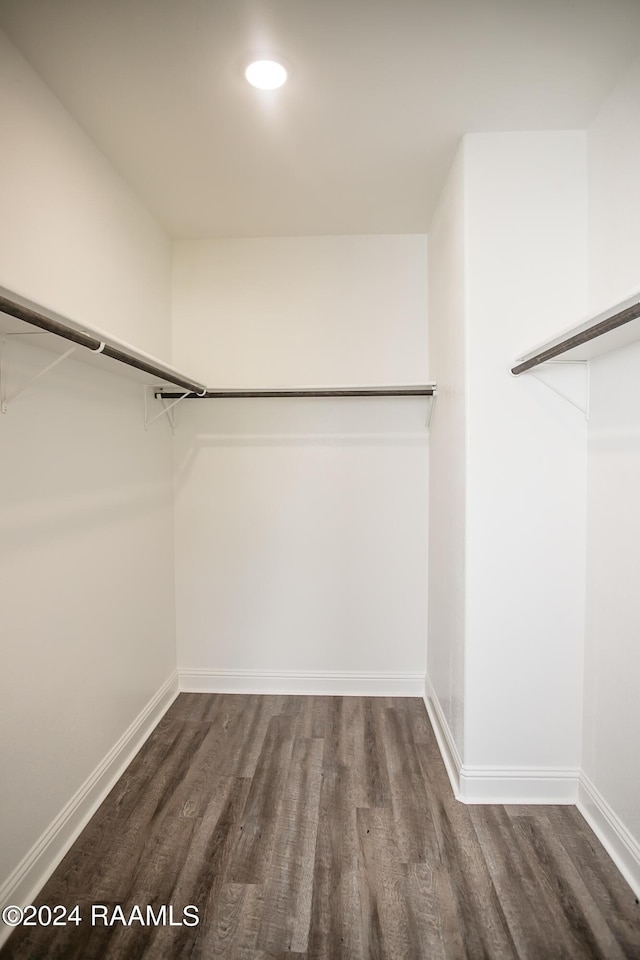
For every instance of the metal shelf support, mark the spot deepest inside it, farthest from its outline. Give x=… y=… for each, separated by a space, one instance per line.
x=6 y=399
x=168 y=411
x=582 y=407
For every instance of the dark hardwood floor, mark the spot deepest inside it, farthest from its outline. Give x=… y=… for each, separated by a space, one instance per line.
x=324 y=828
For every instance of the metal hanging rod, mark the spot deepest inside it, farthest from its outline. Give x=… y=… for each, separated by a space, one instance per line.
x=57 y=326
x=426 y=390
x=604 y=323
x=53 y=323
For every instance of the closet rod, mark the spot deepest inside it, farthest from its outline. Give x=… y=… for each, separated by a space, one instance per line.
x=58 y=327
x=428 y=390
x=596 y=329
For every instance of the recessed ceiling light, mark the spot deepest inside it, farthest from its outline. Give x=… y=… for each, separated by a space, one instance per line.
x=266 y=74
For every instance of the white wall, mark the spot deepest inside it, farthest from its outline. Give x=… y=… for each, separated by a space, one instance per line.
x=447 y=464
x=301 y=525
x=507 y=561
x=611 y=760
x=301 y=310
x=74 y=237
x=526 y=490
x=614 y=195
x=86 y=570
x=86 y=542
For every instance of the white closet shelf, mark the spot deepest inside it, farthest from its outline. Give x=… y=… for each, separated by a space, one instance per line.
x=20 y=316
x=610 y=330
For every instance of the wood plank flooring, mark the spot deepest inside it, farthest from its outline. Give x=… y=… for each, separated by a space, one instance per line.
x=324 y=828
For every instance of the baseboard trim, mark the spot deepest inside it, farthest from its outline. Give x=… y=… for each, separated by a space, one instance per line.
x=621 y=846
x=34 y=870
x=444 y=737
x=537 y=785
x=497 y=784
x=300 y=682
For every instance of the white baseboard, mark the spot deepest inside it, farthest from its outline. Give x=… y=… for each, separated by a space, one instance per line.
x=497 y=784
x=444 y=737
x=310 y=682
x=34 y=870
x=518 y=785
x=623 y=849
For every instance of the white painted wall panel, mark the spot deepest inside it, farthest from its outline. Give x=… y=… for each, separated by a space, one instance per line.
x=86 y=519
x=612 y=667
x=86 y=583
x=526 y=454
x=301 y=525
x=301 y=536
x=447 y=464
x=611 y=759
x=74 y=237
x=614 y=195
x=292 y=311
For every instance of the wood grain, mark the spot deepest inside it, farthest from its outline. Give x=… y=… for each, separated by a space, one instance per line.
x=324 y=828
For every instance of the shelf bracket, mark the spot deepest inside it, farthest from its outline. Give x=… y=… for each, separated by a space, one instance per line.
x=168 y=410
x=6 y=399
x=432 y=403
x=582 y=407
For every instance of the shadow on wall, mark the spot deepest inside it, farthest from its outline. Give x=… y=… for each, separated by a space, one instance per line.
x=346 y=423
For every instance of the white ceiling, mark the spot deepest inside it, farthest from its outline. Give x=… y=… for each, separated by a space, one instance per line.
x=359 y=139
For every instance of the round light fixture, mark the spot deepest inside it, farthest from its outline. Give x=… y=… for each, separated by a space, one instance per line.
x=266 y=74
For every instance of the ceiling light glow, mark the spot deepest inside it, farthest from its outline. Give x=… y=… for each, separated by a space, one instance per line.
x=266 y=74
